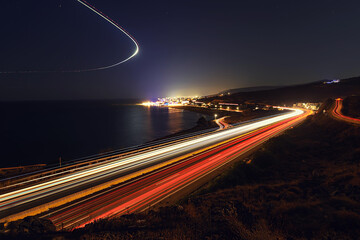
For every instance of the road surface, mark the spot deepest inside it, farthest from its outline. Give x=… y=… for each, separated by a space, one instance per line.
x=221 y=123
x=336 y=112
x=180 y=163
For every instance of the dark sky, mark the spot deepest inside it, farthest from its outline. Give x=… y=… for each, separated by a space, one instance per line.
x=186 y=47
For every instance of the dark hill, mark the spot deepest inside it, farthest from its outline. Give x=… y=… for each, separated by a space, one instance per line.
x=351 y=106
x=311 y=92
x=248 y=89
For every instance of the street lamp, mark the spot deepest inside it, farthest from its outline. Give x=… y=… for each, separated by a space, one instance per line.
x=215 y=115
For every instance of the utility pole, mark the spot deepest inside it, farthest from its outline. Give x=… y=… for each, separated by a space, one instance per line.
x=60 y=161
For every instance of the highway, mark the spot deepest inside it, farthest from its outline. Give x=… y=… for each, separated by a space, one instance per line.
x=336 y=113
x=222 y=125
x=173 y=165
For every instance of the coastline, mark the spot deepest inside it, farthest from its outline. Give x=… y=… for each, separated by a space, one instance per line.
x=41 y=132
x=232 y=116
x=180 y=196
x=202 y=124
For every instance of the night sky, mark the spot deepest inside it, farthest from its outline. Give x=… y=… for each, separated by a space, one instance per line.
x=186 y=47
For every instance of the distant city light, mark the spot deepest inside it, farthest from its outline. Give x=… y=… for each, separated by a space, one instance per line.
x=311 y=106
x=146 y=104
x=332 y=81
x=172 y=101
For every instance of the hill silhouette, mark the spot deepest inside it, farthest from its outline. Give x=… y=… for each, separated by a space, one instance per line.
x=311 y=92
x=248 y=89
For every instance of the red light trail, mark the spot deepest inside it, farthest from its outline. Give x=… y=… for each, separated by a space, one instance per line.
x=337 y=112
x=143 y=178
x=141 y=194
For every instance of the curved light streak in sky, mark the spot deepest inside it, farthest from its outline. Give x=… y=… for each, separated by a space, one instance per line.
x=108 y=19
x=118 y=27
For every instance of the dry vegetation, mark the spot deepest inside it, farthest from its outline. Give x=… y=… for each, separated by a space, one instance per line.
x=304 y=184
x=233 y=116
x=15 y=171
x=351 y=106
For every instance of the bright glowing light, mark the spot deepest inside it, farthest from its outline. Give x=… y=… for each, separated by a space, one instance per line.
x=146 y=103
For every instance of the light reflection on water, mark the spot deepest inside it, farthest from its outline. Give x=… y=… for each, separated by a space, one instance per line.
x=41 y=132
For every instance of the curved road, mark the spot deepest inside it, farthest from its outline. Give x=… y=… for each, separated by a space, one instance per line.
x=222 y=125
x=336 y=113
x=180 y=163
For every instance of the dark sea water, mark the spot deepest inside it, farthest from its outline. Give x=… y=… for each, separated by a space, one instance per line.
x=41 y=132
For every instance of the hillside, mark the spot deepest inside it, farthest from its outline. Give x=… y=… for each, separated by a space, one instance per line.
x=248 y=89
x=301 y=185
x=311 y=92
x=351 y=106
x=304 y=184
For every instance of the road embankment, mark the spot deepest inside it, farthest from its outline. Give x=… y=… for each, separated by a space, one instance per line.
x=336 y=113
x=233 y=116
x=303 y=184
x=13 y=171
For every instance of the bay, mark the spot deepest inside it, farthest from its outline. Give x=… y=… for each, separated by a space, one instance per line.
x=41 y=132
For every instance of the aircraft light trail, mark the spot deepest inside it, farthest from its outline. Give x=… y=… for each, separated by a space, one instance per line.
x=118 y=27
x=109 y=20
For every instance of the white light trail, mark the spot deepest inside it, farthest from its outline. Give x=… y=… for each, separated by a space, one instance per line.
x=24 y=195
x=118 y=27
x=109 y=20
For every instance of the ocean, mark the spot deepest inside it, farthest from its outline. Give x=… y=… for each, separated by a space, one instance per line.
x=41 y=132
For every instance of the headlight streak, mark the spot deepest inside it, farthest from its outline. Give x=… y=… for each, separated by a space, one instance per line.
x=143 y=197
x=109 y=20
x=167 y=172
x=119 y=154
x=21 y=196
x=113 y=155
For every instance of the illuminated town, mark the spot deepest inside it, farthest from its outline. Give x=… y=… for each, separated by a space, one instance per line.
x=171 y=101
x=180 y=120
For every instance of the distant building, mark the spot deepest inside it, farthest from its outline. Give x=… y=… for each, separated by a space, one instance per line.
x=199 y=103
x=229 y=106
x=331 y=81
x=310 y=106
